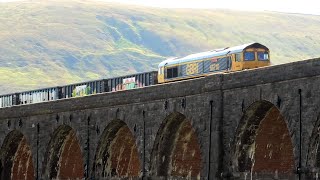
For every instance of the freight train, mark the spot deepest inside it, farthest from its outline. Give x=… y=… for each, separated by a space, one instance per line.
x=228 y=59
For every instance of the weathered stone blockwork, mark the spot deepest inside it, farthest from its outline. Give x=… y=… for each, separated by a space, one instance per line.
x=220 y=126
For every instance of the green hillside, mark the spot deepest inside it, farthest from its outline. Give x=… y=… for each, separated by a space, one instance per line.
x=58 y=42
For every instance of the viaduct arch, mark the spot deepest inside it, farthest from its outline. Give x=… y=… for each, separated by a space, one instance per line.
x=16 y=157
x=263 y=143
x=63 y=156
x=176 y=150
x=117 y=153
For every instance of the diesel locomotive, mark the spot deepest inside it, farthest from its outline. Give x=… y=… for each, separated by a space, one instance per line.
x=236 y=58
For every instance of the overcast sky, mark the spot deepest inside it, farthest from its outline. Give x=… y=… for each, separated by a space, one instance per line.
x=292 y=6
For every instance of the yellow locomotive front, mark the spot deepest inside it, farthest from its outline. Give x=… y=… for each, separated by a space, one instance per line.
x=253 y=56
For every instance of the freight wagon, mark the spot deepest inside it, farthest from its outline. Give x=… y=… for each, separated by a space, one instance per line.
x=80 y=89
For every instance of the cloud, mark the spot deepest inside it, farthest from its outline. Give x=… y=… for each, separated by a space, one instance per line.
x=291 y=6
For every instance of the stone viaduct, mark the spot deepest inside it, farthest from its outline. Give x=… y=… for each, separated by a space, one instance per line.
x=255 y=124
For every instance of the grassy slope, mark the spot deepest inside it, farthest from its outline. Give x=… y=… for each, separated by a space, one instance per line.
x=51 y=43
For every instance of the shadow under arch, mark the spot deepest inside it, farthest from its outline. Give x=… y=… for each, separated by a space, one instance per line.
x=262 y=145
x=63 y=159
x=117 y=154
x=16 y=157
x=176 y=151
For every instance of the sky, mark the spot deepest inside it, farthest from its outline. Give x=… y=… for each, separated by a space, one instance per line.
x=291 y=6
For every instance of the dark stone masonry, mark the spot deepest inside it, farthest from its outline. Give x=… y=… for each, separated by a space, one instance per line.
x=255 y=124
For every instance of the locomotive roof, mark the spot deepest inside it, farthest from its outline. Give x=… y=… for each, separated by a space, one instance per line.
x=209 y=54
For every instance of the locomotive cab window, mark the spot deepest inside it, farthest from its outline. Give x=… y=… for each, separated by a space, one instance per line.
x=249 y=56
x=172 y=72
x=238 y=57
x=263 y=56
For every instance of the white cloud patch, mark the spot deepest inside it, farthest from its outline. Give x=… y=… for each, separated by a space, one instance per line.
x=291 y=6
